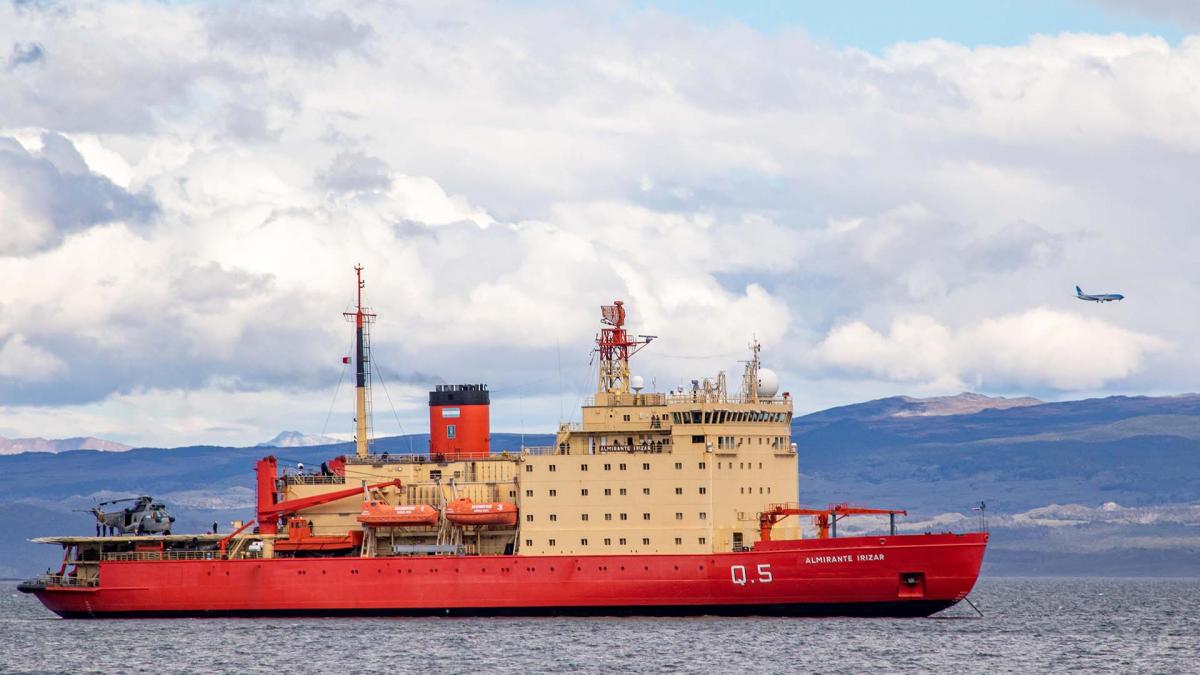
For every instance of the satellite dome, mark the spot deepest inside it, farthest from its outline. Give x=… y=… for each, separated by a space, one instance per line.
x=637 y=382
x=768 y=382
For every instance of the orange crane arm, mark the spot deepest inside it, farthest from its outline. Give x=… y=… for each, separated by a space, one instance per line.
x=825 y=519
x=291 y=506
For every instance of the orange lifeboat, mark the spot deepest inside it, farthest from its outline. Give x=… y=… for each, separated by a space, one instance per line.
x=404 y=515
x=466 y=512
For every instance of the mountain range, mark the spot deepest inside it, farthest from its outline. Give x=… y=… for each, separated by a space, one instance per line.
x=1107 y=486
x=13 y=446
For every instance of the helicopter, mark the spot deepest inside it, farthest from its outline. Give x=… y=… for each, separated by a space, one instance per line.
x=144 y=516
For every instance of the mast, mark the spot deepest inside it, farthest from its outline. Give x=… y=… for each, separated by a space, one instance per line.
x=362 y=319
x=614 y=345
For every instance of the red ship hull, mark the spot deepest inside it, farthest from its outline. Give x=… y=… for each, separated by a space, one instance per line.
x=903 y=575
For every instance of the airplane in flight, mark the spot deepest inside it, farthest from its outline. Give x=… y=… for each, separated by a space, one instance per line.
x=1102 y=297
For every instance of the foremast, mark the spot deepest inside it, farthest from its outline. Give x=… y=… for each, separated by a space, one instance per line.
x=362 y=319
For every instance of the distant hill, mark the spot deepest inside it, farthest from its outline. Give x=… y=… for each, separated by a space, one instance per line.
x=1098 y=486
x=1137 y=454
x=295 y=439
x=12 y=446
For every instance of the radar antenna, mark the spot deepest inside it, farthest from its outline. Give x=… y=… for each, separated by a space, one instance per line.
x=615 y=346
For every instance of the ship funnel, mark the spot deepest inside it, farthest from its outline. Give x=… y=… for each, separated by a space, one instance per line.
x=459 y=422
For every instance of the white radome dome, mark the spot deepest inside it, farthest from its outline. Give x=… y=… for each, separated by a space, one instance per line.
x=768 y=382
x=637 y=382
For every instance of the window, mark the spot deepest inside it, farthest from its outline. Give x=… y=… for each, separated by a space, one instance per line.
x=625 y=417
x=621 y=467
x=645 y=516
x=607 y=492
x=607 y=541
x=551 y=542
x=645 y=541
x=624 y=516
x=678 y=491
x=553 y=468
x=678 y=465
x=703 y=516
x=583 y=516
x=703 y=465
x=645 y=466
x=555 y=516
x=529 y=493
x=583 y=467
x=553 y=493
x=583 y=492
x=678 y=541
x=678 y=516
x=703 y=541
x=703 y=490
x=529 y=517
x=608 y=467
x=608 y=516
x=742 y=490
x=529 y=542
x=698 y=439
x=583 y=542
x=622 y=491
x=645 y=491
x=528 y=467
x=622 y=541
x=450 y=431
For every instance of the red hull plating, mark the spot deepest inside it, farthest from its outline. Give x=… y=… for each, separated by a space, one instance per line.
x=905 y=575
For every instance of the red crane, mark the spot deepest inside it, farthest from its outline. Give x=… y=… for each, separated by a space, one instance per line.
x=825 y=519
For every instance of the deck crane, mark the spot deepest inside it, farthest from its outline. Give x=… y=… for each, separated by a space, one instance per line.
x=825 y=519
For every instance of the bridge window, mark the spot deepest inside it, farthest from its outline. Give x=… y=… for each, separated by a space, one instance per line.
x=697 y=439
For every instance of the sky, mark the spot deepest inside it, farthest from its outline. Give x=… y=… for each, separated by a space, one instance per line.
x=892 y=201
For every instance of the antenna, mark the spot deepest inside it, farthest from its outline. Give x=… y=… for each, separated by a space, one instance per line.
x=615 y=346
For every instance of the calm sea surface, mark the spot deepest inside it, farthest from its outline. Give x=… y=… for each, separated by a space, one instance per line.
x=1030 y=625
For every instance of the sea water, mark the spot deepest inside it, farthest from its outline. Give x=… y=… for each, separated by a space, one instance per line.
x=1028 y=625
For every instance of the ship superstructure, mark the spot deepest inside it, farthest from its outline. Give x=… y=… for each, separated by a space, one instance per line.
x=654 y=502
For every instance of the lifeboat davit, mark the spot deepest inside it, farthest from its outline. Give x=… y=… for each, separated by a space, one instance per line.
x=467 y=512
x=403 y=515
